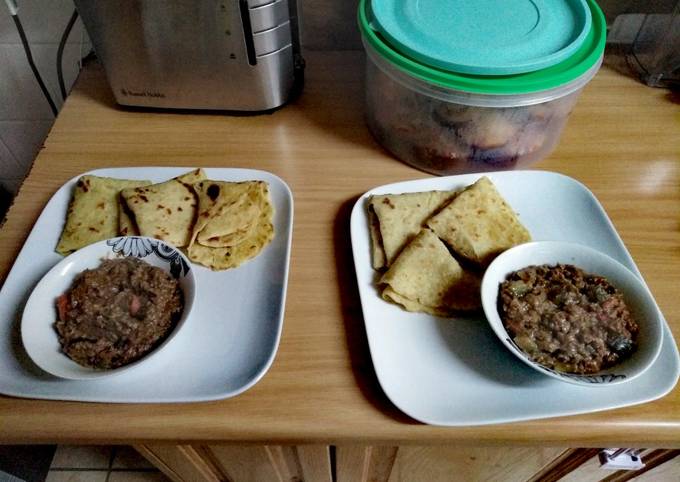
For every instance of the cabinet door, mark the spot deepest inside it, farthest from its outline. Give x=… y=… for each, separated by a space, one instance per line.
x=666 y=471
x=179 y=462
x=435 y=464
x=241 y=463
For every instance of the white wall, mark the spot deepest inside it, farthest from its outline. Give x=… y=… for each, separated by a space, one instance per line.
x=25 y=115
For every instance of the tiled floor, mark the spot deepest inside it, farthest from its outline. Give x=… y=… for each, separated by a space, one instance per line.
x=76 y=463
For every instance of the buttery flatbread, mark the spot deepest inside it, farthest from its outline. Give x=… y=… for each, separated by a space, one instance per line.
x=167 y=210
x=93 y=212
x=478 y=224
x=260 y=235
x=426 y=277
x=399 y=218
x=227 y=211
x=126 y=220
x=377 y=251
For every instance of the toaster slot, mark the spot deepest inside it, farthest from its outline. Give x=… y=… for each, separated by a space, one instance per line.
x=259 y=3
x=247 y=32
x=273 y=39
x=269 y=16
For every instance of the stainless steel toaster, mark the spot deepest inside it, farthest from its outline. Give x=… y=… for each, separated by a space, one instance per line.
x=238 y=55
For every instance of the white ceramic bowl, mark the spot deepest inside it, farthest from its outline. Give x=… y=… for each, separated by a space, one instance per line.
x=635 y=292
x=37 y=324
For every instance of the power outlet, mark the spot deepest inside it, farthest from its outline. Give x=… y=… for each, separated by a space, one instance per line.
x=621 y=459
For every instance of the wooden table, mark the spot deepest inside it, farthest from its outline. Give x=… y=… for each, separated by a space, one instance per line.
x=622 y=141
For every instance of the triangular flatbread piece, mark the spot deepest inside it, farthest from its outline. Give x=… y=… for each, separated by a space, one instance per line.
x=227 y=211
x=400 y=217
x=426 y=277
x=218 y=258
x=167 y=210
x=478 y=224
x=93 y=212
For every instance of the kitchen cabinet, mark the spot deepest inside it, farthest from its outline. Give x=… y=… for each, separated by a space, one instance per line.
x=356 y=463
x=431 y=464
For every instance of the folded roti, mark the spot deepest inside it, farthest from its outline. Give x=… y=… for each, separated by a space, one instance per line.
x=426 y=277
x=167 y=210
x=478 y=224
x=126 y=220
x=93 y=211
x=399 y=218
x=377 y=251
x=227 y=211
x=259 y=236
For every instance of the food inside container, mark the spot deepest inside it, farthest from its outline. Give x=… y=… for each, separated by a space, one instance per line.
x=566 y=319
x=452 y=94
x=117 y=313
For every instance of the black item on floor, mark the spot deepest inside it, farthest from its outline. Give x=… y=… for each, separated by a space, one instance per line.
x=28 y=462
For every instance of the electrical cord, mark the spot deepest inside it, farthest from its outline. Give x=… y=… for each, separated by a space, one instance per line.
x=60 y=53
x=12 y=6
x=13 y=12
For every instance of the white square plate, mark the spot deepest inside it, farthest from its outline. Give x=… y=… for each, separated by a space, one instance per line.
x=455 y=371
x=225 y=347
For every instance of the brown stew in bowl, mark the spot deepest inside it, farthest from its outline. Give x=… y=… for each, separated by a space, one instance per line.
x=566 y=319
x=117 y=313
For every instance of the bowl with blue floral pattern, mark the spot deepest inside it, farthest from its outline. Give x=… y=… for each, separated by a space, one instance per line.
x=144 y=290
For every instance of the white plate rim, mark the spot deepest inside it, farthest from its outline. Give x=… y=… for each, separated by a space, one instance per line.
x=358 y=227
x=167 y=172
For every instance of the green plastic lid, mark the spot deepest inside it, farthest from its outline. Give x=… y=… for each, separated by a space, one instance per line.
x=488 y=37
x=407 y=41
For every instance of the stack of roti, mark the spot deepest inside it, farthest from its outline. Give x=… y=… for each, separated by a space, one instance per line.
x=435 y=245
x=218 y=224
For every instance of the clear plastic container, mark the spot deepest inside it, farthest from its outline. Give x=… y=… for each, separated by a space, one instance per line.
x=449 y=132
x=443 y=130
